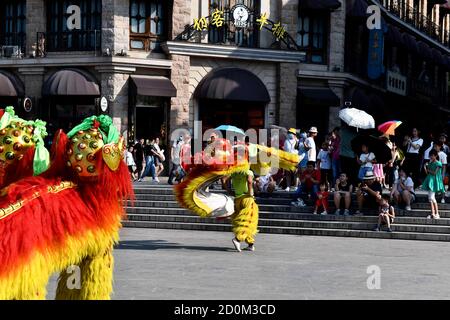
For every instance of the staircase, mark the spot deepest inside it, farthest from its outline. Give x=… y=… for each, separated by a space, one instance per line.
x=156 y=207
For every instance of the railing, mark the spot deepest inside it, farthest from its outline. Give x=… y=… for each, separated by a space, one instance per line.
x=415 y=18
x=425 y=88
x=14 y=39
x=78 y=40
x=228 y=34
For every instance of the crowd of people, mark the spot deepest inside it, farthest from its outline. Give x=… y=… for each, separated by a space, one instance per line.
x=335 y=169
x=330 y=169
x=146 y=159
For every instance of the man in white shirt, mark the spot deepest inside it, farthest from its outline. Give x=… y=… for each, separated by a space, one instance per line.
x=175 y=155
x=289 y=146
x=310 y=144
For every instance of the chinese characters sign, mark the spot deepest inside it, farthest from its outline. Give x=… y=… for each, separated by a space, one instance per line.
x=241 y=16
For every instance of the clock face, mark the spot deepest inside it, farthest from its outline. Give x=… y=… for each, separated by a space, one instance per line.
x=240 y=14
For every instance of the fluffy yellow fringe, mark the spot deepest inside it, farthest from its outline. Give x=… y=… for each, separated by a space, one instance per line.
x=186 y=195
x=91 y=252
x=186 y=192
x=245 y=220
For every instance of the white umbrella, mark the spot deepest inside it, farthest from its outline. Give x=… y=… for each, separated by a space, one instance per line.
x=357 y=118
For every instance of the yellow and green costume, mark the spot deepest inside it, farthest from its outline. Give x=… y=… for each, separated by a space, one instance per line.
x=245 y=219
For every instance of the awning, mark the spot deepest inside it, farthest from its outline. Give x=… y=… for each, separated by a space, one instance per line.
x=71 y=82
x=438 y=57
x=154 y=86
x=358 y=98
x=232 y=84
x=410 y=43
x=394 y=35
x=358 y=10
x=319 y=95
x=424 y=50
x=10 y=85
x=320 y=4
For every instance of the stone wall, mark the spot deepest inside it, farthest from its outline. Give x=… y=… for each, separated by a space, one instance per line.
x=181 y=16
x=337 y=39
x=179 y=112
x=36 y=22
x=116 y=25
x=287 y=116
x=114 y=86
x=267 y=72
x=289 y=15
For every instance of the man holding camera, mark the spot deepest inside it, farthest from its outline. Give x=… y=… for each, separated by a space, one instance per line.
x=369 y=192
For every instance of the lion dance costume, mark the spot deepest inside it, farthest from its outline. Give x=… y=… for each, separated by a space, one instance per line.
x=221 y=160
x=63 y=213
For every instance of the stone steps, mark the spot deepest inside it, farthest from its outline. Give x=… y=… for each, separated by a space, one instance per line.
x=156 y=207
x=293 y=231
x=320 y=224
x=293 y=216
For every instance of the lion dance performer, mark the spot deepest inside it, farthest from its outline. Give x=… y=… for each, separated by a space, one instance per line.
x=222 y=161
x=67 y=218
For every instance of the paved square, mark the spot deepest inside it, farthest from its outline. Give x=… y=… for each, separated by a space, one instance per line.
x=174 y=264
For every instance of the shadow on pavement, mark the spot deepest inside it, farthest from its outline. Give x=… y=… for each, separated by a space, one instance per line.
x=162 y=244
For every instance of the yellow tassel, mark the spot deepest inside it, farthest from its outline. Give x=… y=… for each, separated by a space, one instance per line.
x=245 y=219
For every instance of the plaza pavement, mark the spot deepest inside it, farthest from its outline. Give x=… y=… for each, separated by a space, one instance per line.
x=177 y=264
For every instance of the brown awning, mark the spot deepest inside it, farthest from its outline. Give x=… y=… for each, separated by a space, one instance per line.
x=319 y=96
x=71 y=82
x=10 y=85
x=232 y=84
x=320 y=4
x=153 y=86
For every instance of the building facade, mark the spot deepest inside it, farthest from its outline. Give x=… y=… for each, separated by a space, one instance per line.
x=156 y=65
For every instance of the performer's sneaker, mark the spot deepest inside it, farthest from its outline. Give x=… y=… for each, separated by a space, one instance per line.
x=251 y=247
x=237 y=245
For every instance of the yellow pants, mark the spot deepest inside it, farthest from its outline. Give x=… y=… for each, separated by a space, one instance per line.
x=245 y=219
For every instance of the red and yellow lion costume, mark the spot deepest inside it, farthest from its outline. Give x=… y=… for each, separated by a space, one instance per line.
x=67 y=217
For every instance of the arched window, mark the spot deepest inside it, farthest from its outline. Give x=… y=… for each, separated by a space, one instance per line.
x=148 y=24
x=229 y=34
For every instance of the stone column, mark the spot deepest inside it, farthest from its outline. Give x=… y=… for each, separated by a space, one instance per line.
x=114 y=86
x=338 y=87
x=289 y=16
x=181 y=16
x=33 y=78
x=36 y=22
x=179 y=111
x=116 y=25
x=287 y=78
x=337 y=39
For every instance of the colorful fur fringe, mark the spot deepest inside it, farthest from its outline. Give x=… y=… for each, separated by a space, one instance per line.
x=201 y=174
x=245 y=220
x=52 y=222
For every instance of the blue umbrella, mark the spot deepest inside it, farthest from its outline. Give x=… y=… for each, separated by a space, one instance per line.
x=230 y=129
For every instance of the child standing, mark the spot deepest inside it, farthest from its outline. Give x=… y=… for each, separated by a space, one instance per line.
x=366 y=161
x=130 y=162
x=387 y=214
x=322 y=199
x=324 y=164
x=433 y=182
